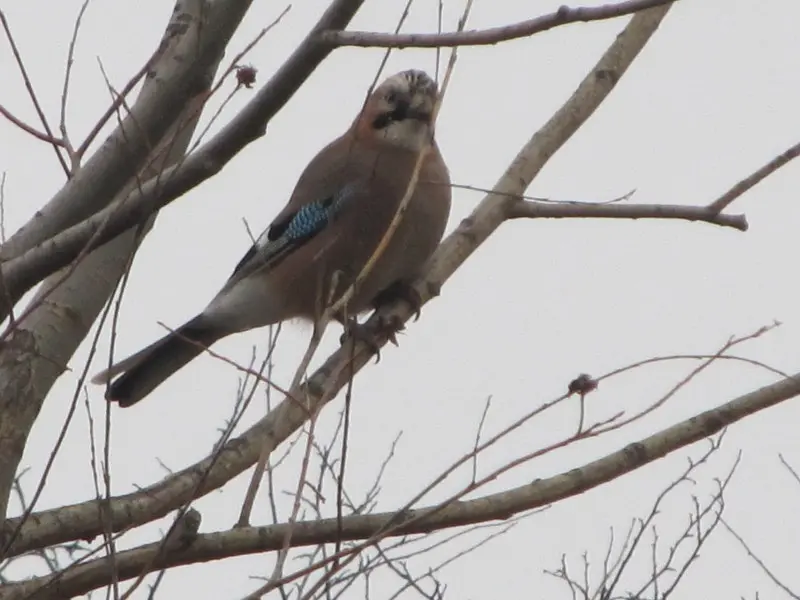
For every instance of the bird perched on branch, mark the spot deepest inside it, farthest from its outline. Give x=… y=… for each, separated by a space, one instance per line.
x=316 y=247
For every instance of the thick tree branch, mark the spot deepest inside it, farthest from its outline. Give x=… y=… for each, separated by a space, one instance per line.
x=563 y=16
x=81 y=521
x=503 y=505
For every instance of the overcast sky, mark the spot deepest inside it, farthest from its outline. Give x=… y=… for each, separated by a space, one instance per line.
x=712 y=97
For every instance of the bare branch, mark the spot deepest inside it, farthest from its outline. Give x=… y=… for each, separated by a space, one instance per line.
x=73 y=156
x=748 y=182
x=760 y=562
x=580 y=210
x=117 y=103
x=789 y=468
x=29 y=86
x=563 y=16
x=694 y=534
x=30 y=130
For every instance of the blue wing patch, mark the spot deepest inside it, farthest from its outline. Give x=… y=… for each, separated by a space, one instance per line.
x=292 y=231
x=307 y=221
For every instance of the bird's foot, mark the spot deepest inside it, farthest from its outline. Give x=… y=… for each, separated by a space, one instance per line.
x=400 y=290
x=371 y=335
x=360 y=332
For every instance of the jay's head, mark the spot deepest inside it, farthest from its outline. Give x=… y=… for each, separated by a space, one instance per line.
x=400 y=110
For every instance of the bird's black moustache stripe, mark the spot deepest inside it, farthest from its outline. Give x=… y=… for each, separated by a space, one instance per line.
x=384 y=119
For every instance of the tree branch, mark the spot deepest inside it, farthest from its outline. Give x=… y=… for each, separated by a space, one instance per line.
x=563 y=16
x=748 y=182
x=786 y=589
x=48 y=132
x=503 y=505
x=546 y=210
x=30 y=130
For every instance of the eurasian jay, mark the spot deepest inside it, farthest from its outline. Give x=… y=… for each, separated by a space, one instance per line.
x=317 y=245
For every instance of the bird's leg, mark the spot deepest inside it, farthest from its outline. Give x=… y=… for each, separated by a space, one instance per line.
x=399 y=290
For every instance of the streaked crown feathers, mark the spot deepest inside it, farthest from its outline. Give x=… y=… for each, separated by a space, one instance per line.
x=411 y=82
x=400 y=110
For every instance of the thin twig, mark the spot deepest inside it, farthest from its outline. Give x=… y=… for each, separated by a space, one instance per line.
x=348 y=402
x=478 y=433
x=760 y=562
x=117 y=102
x=30 y=130
x=231 y=68
x=748 y=182
x=789 y=467
x=733 y=341
x=29 y=86
x=73 y=156
x=283 y=553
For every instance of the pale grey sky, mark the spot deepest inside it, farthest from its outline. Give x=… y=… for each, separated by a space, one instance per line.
x=712 y=97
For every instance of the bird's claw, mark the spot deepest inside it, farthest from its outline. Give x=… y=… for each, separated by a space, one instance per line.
x=360 y=332
x=389 y=326
x=385 y=327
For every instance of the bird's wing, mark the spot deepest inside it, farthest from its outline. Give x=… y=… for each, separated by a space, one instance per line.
x=292 y=228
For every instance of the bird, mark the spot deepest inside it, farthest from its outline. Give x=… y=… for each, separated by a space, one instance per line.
x=315 y=248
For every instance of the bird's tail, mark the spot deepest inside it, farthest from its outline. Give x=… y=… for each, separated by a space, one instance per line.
x=149 y=368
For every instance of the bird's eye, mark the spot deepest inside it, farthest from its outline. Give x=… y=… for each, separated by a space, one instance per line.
x=391 y=97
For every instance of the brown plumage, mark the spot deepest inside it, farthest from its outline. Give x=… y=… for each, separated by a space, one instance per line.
x=340 y=209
